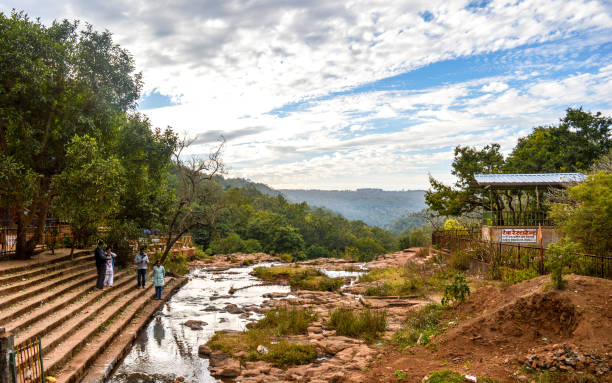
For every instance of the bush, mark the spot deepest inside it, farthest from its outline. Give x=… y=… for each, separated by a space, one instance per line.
x=316 y=251
x=425 y=321
x=175 y=263
x=401 y=287
x=560 y=255
x=286 y=321
x=366 y=324
x=299 y=277
x=456 y=291
x=512 y=276
x=228 y=245
x=423 y=252
x=285 y=257
x=316 y=283
x=460 y=259
x=252 y=246
x=248 y=262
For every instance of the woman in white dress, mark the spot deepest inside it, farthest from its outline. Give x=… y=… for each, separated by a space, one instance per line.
x=110 y=267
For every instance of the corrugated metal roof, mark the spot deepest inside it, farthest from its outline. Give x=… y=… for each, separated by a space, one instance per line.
x=528 y=179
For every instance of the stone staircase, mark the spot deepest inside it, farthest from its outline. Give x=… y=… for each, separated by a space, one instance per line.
x=77 y=323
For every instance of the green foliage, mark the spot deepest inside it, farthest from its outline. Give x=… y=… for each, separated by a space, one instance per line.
x=560 y=255
x=452 y=224
x=287 y=258
x=58 y=82
x=574 y=145
x=285 y=353
x=317 y=251
x=425 y=321
x=228 y=245
x=366 y=324
x=587 y=217
x=286 y=321
x=512 y=276
x=175 y=263
x=460 y=259
x=88 y=188
x=456 y=291
x=299 y=278
x=445 y=376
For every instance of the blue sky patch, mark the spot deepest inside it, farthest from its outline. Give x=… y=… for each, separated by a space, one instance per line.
x=154 y=100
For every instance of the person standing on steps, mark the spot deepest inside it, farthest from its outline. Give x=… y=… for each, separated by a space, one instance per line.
x=142 y=262
x=110 y=267
x=100 y=258
x=159 y=273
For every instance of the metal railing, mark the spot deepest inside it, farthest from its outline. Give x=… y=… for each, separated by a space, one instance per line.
x=517 y=256
x=26 y=362
x=508 y=218
x=52 y=236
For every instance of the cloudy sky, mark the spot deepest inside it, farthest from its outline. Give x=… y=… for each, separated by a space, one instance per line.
x=349 y=94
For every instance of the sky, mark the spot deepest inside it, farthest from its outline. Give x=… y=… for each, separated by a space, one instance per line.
x=355 y=94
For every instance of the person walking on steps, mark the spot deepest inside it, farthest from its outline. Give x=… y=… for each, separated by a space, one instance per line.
x=159 y=273
x=142 y=262
x=110 y=267
x=100 y=258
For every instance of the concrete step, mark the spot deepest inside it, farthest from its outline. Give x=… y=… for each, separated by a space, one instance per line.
x=42 y=277
x=30 y=264
x=112 y=345
x=6 y=301
x=57 y=354
x=66 y=303
x=62 y=325
x=38 y=270
x=25 y=305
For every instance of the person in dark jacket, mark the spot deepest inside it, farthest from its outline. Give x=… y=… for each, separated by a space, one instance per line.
x=100 y=258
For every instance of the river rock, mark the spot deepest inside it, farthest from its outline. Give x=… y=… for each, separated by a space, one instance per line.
x=233 y=309
x=195 y=324
x=228 y=368
x=204 y=351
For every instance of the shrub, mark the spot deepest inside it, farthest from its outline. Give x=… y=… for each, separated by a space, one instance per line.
x=560 y=255
x=445 y=376
x=175 y=263
x=425 y=321
x=366 y=324
x=286 y=321
x=316 y=283
x=252 y=246
x=460 y=259
x=230 y=244
x=285 y=257
x=396 y=287
x=317 y=251
x=285 y=353
x=299 y=277
x=456 y=291
x=248 y=262
x=423 y=252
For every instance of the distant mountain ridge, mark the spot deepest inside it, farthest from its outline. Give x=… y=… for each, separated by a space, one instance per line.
x=375 y=207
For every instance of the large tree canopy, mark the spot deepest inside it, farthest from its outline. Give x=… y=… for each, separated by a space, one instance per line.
x=56 y=82
x=574 y=145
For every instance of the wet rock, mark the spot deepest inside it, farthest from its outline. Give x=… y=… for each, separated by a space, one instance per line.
x=204 y=351
x=209 y=309
x=222 y=320
x=195 y=324
x=233 y=309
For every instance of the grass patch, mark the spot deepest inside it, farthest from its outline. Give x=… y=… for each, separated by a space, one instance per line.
x=511 y=276
x=365 y=324
x=405 y=280
x=266 y=332
x=566 y=377
x=248 y=262
x=425 y=321
x=286 y=321
x=299 y=277
x=448 y=376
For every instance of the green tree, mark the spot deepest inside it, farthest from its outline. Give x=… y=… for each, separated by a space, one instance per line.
x=55 y=82
x=88 y=189
x=573 y=145
x=560 y=255
x=466 y=195
x=586 y=217
x=287 y=240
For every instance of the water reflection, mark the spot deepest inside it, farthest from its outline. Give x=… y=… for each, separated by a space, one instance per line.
x=168 y=349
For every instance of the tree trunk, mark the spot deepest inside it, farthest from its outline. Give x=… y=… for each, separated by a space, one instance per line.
x=20 y=241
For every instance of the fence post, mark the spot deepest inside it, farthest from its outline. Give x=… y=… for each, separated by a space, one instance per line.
x=7 y=346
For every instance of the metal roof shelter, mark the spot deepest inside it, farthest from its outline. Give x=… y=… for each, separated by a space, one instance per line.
x=544 y=179
x=515 y=199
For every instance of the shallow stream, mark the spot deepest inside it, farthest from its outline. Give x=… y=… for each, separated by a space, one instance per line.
x=168 y=349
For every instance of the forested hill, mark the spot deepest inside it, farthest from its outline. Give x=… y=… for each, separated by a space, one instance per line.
x=372 y=206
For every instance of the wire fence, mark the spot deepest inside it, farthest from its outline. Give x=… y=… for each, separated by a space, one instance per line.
x=516 y=256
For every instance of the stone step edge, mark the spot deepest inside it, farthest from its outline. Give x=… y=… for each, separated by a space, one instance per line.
x=78 y=374
x=122 y=279
x=65 y=290
x=117 y=312
x=45 y=263
x=113 y=296
x=15 y=298
x=52 y=267
x=12 y=288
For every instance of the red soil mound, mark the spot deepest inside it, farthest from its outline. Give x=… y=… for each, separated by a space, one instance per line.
x=502 y=330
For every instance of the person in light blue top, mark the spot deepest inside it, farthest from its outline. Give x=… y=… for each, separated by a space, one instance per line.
x=159 y=273
x=142 y=262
